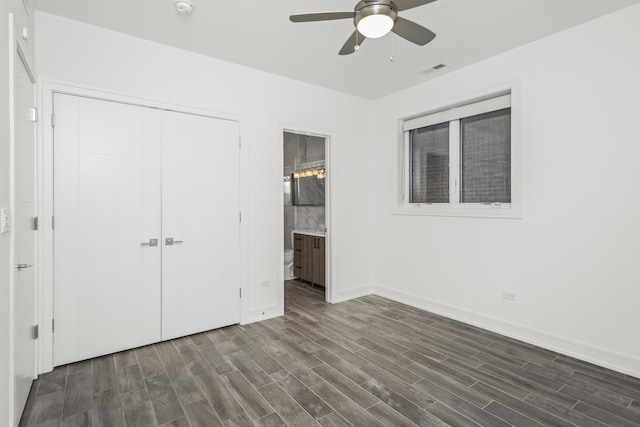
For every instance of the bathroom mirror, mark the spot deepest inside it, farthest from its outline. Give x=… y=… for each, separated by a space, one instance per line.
x=307 y=191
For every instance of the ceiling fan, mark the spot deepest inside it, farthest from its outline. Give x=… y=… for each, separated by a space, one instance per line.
x=375 y=18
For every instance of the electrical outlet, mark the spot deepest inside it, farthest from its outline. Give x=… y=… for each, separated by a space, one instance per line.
x=5 y=220
x=264 y=284
x=509 y=296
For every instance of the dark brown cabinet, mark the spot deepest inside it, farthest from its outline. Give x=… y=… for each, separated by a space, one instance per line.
x=309 y=258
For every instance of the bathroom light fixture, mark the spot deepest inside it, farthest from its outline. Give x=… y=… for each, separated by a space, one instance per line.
x=185 y=7
x=318 y=173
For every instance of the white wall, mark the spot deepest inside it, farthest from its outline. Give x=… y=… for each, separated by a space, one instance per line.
x=573 y=260
x=72 y=52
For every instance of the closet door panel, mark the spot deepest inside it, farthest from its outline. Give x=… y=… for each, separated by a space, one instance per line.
x=200 y=270
x=107 y=201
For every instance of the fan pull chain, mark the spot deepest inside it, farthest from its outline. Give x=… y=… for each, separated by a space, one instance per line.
x=392 y=58
x=357 y=46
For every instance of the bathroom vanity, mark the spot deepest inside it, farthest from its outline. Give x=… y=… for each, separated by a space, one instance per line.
x=309 y=256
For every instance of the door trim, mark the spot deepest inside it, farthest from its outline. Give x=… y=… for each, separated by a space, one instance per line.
x=17 y=46
x=45 y=191
x=330 y=138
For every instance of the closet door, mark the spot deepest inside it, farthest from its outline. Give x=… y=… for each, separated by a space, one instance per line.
x=200 y=214
x=107 y=206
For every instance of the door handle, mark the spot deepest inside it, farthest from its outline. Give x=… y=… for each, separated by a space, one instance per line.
x=21 y=267
x=169 y=241
x=151 y=242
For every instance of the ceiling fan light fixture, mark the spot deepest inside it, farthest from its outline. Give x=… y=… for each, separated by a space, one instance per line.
x=375 y=18
x=375 y=26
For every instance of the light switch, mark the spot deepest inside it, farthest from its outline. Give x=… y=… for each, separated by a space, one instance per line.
x=5 y=220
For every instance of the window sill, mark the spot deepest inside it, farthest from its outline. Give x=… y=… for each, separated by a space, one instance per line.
x=460 y=211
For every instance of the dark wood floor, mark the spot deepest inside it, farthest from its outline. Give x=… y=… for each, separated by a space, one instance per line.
x=366 y=362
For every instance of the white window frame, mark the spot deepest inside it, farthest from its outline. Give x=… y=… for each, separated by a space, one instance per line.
x=453 y=112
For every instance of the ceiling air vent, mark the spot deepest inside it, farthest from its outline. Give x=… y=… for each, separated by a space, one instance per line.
x=434 y=68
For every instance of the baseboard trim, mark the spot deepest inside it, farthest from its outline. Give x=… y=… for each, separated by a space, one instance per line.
x=263 y=313
x=586 y=352
x=343 y=296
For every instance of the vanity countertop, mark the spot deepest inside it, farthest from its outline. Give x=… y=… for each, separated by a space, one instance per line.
x=310 y=233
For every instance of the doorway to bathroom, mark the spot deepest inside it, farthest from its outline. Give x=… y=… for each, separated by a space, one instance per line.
x=305 y=217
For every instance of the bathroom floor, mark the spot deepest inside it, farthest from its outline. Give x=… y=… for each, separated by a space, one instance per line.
x=306 y=285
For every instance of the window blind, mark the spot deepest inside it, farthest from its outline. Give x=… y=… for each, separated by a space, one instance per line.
x=485 y=154
x=429 y=162
x=458 y=112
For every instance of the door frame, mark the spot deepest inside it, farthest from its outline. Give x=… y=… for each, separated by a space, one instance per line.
x=45 y=202
x=329 y=138
x=18 y=46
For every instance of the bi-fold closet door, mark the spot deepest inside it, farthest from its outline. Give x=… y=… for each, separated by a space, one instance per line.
x=146 y=237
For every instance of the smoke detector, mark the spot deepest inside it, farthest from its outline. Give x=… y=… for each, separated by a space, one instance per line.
x=184 y=6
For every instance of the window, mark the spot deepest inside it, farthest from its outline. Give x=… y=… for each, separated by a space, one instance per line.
x=458 y=161
x=430 y=164
x=485 y=158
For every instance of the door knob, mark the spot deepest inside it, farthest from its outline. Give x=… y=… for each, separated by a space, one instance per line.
x=170 y=242
x=151 y=242
x=21 y=267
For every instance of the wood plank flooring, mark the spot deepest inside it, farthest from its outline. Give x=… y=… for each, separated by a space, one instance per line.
x=366 y=362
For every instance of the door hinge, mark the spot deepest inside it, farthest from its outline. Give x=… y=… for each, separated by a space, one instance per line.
x=53 y=222
x=34 y=223
x=33 y=114
x=240 y=216
x=53 y=120
x=239 y=142
x=53 y=325
x=35 y=332
x=240 y=292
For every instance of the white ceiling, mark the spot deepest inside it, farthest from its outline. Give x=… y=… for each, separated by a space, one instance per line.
x=258 y=34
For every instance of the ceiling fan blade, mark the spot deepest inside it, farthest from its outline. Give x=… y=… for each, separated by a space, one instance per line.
x=348 y=47
x=410 y=4
x=413 y=32
x=324 y=16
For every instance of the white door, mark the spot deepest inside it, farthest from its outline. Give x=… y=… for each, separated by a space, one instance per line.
x=107 y=206
x=25 y=237
x=200 y=212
